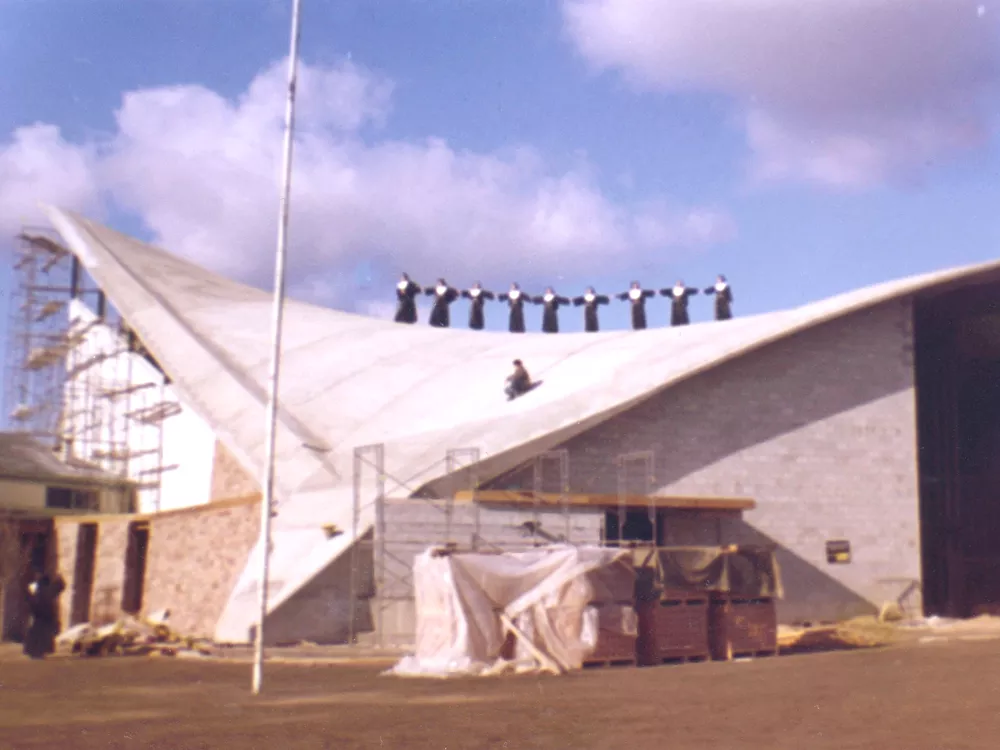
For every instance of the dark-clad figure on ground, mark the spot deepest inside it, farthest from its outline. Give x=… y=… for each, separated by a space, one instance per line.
x=723 y=298
x=518 y=382
x=590 y=300
x=444 y=295
x=637 y=296
x=478 y=296
x=43 y=595
x=515 y=298
x=406 y=300
x=550 y=315
x=679 y=294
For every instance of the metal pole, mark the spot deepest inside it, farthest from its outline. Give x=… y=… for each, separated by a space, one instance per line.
x=276 y=320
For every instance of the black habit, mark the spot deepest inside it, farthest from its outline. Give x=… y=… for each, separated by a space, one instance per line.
x=590 y=301
x=723 y=300
x=478 y=296
x=444 y=295
x=638 y=299
x=515 y=299
x=550 y=314
x=679 y=303
x=406 y=304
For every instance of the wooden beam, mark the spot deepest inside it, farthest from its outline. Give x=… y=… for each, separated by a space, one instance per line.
x=525 y=497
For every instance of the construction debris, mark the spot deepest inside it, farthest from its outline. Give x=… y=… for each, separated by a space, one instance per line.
x=861 y=632
x=130 y=636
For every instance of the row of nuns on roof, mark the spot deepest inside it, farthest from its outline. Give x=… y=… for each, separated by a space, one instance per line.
x=444 y=295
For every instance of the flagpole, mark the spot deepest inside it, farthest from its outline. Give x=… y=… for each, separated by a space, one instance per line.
x=267 y=503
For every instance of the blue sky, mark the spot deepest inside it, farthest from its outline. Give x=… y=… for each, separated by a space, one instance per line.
x=801 y=148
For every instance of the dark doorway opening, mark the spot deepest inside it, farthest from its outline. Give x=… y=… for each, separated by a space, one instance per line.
x=957 y=356
x=638 y=527
x=83 y=573
x=135 y=568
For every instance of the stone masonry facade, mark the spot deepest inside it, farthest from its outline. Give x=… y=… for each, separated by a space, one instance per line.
x=229 y=478
x=820 y=430
x=194 y=558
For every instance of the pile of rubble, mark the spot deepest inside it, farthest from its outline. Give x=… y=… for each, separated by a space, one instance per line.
x=131 y=636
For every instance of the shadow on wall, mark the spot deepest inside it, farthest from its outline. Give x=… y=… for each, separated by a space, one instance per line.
x=810 y=595
x=319 y=612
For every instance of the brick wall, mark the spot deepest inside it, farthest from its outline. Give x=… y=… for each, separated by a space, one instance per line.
x=195 y=557
x=819 y=429
x=229 y=478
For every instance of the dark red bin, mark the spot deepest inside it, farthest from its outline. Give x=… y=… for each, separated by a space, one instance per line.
x=673 y=627
x=742 y=626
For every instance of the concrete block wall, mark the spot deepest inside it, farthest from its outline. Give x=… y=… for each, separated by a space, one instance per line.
x=820 y=430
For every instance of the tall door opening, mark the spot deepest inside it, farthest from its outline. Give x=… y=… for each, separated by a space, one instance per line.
x=957 y=354
x=83 y=573
x=135 y=568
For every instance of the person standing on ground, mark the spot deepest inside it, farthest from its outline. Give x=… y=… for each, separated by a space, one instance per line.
x=43 y=594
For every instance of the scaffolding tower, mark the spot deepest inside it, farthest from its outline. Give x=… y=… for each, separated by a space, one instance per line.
x=71 y=377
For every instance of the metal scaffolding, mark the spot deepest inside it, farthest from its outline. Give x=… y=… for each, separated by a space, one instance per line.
x=636 y=476
x=542 y=483
x=70 y=379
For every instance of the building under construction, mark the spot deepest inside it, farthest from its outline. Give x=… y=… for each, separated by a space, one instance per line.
x=852 y=434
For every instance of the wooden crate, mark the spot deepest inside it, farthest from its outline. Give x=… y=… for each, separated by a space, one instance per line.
x=673 y=628
x=616 y=635
x=742 y=627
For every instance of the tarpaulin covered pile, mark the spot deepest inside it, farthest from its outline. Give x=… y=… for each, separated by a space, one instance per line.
x=468 y=606
x=737 y=570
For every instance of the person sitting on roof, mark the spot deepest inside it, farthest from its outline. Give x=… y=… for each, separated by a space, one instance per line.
x=518 y=382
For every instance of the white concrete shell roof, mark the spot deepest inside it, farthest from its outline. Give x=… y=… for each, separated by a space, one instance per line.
x=349 y=380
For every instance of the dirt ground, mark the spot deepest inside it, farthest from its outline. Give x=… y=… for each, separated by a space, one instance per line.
x=940 y=696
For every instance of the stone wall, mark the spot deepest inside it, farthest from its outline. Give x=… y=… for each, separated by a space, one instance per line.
x=194 y=558
x=229 y=478
x=819 y=429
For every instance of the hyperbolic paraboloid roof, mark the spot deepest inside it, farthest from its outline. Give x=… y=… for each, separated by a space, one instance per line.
x=349 y=380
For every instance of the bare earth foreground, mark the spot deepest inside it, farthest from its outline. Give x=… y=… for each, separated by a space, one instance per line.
x=944 y=696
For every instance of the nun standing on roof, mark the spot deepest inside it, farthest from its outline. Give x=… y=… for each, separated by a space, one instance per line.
x=550 y=316
x=515 y=299
x=590 y=300
x=444 y=295
x=679 y=294
x=637 y=296
x=478 y=296
x=406 y=304
x=723 y=298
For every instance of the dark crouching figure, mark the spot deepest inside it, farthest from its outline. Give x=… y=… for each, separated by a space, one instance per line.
x=679 y=294
x=723 y=298
x=637 y=296
x=515 y=299
x=478 y=296
x=550 y=316
x=444 y=295
x=518 y=382
x=43 y=596
x=590 y=300
x=406 y=303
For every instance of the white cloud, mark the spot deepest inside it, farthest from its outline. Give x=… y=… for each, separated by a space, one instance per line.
x=37 y=163
x=202 y=172
x=847 y=93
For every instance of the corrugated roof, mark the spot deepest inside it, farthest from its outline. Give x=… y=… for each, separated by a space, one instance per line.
x=349 y=380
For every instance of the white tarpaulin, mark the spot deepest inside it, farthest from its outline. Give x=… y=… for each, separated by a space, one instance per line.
x=467 y=604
